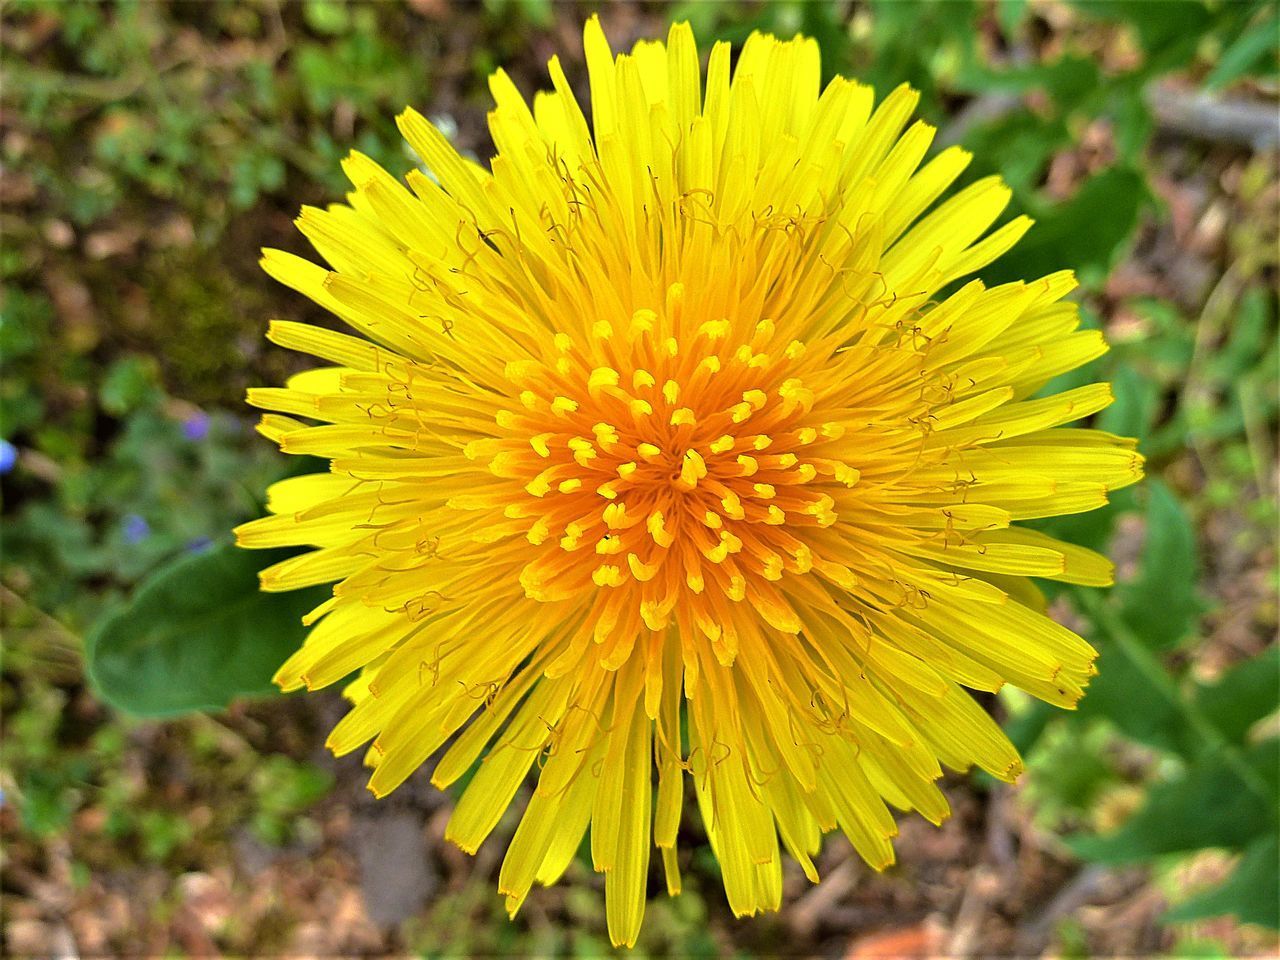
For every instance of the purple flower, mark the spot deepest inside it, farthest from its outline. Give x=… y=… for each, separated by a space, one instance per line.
x=199 y=545
x=135 y=529
x=196 y=427
x=8 y=456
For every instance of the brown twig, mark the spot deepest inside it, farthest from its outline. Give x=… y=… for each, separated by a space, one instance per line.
x=1203 y=116
x=1034 y=934
x=1186 y=113
x=809 y=909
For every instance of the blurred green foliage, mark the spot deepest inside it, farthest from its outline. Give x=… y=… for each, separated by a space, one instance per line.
x=156 y=145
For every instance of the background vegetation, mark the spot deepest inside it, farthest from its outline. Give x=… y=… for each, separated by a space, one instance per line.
x=150 y=148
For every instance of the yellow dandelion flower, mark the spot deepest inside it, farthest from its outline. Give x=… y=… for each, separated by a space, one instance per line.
x=657 y=447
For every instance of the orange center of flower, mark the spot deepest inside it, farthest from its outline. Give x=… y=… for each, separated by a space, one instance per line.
x=680 y=455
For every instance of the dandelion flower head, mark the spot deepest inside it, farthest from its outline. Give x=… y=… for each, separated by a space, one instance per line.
x=677 y=450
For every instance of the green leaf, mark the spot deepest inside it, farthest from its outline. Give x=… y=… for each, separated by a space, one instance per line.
x=1161 y=604
x=1017 y=147
x=1010 y=15
x=1251 y=331
x=1025 y=728
x=1206 y=806
x=1087 y=233
x=1249 y=50
x=196 y=635
x=1136 y=405
x=1133 y=691
x=1123 y=696
x=1246 y=694
x=1132 y=118
x=1069 y=81
x=1251 y=892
